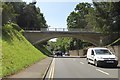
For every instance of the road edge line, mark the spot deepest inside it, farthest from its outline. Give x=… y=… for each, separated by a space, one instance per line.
x=46 y=71
x=53 y=71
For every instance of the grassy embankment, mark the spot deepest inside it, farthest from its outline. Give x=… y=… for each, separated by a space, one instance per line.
x=43 y=49
x=17 y=52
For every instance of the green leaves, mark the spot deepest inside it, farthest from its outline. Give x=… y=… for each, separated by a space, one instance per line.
x=25 y=15
x=8 y=13
x=76 y=19
x=101 y=16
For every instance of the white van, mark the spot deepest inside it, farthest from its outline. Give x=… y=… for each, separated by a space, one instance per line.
x=101 y=57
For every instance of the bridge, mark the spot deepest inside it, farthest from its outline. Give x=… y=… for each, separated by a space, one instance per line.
x=44 y=34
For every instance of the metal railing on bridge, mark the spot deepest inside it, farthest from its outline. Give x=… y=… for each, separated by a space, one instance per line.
x=59 y=29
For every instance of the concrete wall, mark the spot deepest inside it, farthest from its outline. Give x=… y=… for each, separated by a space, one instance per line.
x=115 y=50
x=73 y=53
x=80 y=53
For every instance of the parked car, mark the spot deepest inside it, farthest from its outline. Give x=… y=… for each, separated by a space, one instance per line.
x=67 y=54
x=101 y=57
x=58 y=53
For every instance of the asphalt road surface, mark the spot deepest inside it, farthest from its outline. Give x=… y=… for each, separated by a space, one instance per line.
x=78 y=68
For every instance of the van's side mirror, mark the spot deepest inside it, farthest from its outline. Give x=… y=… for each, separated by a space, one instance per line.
x=92 y=53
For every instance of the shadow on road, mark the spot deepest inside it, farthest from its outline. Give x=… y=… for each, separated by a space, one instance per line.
x=107 y=66
x=68 y=57
x=110 y=67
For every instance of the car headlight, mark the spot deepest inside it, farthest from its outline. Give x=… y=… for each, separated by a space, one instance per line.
x=101 y=58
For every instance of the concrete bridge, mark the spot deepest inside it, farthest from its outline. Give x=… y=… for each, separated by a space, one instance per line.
x=99 y=39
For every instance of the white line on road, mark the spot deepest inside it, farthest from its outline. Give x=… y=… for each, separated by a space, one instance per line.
x=81 y=62
x=53 y=69
x=51 y=74
x=103 y=71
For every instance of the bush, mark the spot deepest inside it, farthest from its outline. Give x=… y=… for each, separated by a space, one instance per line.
x=15 y=26
x=10 y=26
x=7 y=27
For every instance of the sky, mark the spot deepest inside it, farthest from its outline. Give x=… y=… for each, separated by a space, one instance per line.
x=57 y=11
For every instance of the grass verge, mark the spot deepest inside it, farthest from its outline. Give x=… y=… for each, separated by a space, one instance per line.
x=17 y=52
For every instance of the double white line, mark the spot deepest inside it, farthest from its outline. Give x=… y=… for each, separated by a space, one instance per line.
x=51 y=73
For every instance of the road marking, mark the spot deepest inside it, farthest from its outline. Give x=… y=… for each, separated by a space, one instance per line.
x=103 y=71
x=51 y=74
x=81 y=62
x=53 y=69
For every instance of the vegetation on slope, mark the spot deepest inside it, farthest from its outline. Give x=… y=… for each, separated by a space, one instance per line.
x=43 y=49
x=115 y=43
x=17 y=52
x=0 y=57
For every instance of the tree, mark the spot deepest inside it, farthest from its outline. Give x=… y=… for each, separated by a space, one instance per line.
x=25 y=15
x=116 y=16
x=76 y=19
x=104 y=17
x=62 y=44
x=8 y=13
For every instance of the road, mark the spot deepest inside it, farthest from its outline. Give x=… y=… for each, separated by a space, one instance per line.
x=78 y=68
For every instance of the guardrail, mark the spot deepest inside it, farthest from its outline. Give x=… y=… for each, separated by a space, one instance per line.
x=60 y=29
x=54 y=29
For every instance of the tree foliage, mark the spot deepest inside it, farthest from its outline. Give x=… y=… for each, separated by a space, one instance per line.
x=76 y=19
x=62 y=43
x=65 y=44
x=99 y=16
x=8 y=13
x=25 y=15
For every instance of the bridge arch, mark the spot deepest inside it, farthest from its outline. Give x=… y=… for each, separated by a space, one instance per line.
x=37 y=36
x=86 y=39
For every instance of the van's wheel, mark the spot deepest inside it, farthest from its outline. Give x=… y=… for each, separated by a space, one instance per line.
x=115 y=66
x=96 y=63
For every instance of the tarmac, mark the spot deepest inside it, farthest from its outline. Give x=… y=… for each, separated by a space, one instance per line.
x=37 y=70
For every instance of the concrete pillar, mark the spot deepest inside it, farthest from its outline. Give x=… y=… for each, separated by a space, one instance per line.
x=101 y=41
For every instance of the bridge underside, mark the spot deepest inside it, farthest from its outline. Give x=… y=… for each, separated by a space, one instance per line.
x=97 y=39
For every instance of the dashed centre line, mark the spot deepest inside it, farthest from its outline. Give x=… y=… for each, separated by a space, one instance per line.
x=103 y=71
x=81 y=62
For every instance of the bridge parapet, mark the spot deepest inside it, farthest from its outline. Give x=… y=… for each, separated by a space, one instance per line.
x=60 y=29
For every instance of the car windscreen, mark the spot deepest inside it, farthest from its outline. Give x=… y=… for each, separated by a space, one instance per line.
x=102 y=52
